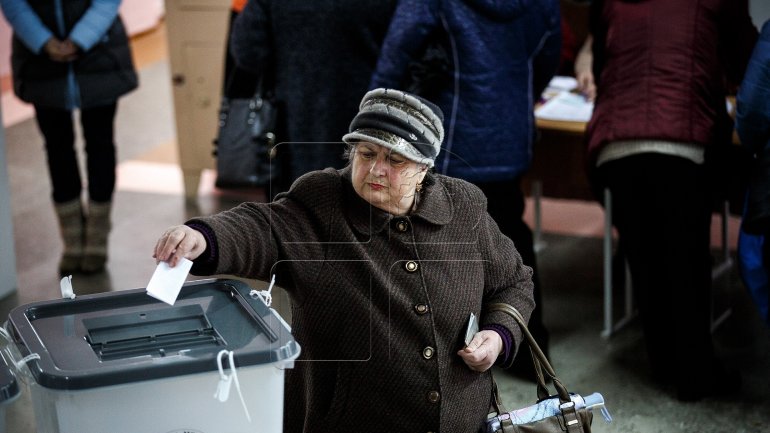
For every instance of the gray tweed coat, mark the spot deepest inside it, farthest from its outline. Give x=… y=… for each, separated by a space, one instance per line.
x=379 y=302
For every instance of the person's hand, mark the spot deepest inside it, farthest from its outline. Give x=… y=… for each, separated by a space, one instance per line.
x=177 y=242
x=51 y=48
x=69 y=50
x=584 y=70
x=586 y=85
x=483 y=350
x=60 y=51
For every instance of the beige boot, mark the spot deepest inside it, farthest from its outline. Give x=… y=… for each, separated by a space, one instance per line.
x=97 y=231
x=70 y=216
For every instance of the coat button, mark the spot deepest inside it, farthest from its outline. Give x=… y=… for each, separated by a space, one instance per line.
x=428 y=352
x=410 y=266
x=421 y=309
x=434 y=397
x=402 y=225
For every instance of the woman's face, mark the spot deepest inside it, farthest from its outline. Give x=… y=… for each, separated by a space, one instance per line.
x=384 y=178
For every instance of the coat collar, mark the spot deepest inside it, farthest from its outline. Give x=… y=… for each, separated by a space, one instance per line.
x=435 y=207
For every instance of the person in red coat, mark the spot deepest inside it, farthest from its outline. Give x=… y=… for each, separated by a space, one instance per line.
x=661 y=68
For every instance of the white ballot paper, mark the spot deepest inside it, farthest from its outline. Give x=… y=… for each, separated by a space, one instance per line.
x=166 y=282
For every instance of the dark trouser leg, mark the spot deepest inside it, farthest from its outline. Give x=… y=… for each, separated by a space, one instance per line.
x=661 y=208
x=59 y=135
x=98 y=133
x=505 y=203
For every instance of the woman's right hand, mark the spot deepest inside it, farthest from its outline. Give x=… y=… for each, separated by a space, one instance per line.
x=177 y=242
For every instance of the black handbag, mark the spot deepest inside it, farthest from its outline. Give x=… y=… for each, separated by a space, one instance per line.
x=563 y=412
x=245 y=146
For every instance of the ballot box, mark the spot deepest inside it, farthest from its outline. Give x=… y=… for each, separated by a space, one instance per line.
x=125 y=362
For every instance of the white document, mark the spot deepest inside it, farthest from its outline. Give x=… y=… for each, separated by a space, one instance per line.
x=566 y=106
x=563 y=83
x=166 y=282
x=557 y=85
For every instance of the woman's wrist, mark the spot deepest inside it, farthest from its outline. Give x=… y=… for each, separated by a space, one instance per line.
x=506 y=341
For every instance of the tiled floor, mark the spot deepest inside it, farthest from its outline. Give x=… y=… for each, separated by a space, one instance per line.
x=149 y=199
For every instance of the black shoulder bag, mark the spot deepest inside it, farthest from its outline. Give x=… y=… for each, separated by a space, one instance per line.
x=245 y=146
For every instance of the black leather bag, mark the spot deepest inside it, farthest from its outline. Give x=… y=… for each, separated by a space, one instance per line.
x=245 y=146
x=563 y=412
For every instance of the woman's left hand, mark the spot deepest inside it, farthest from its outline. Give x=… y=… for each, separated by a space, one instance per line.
x=483 y=350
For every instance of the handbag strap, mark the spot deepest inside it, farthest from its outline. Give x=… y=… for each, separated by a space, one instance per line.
x=497 y=406
x=542 y=365
x=571 y=418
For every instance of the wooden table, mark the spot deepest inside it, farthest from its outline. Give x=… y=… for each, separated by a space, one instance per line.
x=565 y=126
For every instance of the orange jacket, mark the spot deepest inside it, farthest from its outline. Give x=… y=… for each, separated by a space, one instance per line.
x=238 y=5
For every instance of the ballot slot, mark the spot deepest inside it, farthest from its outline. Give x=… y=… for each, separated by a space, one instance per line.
x=159 y=332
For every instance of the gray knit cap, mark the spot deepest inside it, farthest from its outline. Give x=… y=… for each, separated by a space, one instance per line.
x=405 y=123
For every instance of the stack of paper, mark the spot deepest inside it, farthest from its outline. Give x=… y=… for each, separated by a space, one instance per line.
x=566 y=106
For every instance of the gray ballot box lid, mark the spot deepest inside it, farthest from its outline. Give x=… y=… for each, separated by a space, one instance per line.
x=127 y=336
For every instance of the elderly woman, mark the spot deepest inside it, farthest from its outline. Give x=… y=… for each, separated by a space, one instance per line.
x=384 y=263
